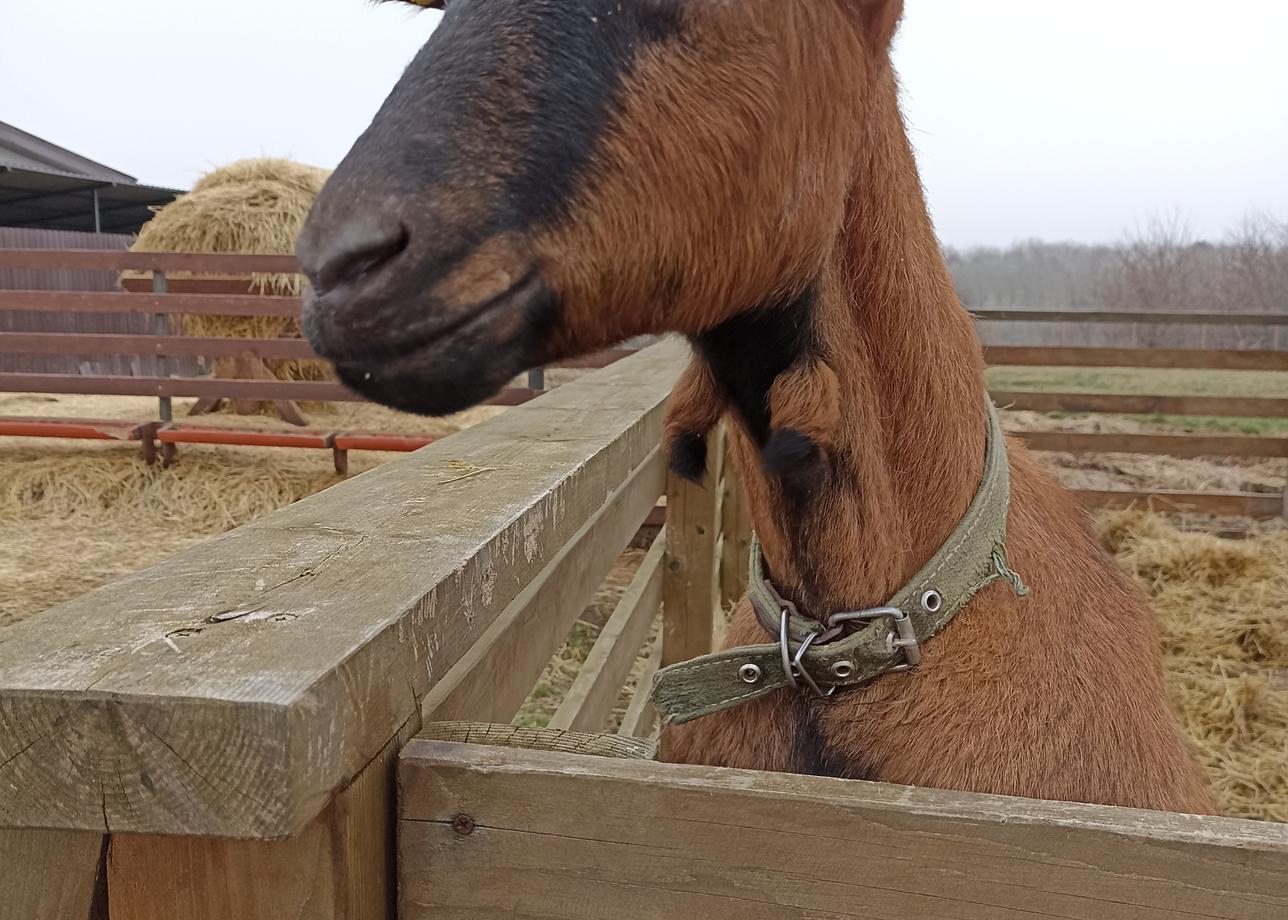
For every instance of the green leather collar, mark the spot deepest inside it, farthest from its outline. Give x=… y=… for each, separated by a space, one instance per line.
x=822 y=657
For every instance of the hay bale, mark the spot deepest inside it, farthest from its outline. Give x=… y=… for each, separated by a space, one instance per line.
x=254 y=207
x=1222 y=609
x=305 y=179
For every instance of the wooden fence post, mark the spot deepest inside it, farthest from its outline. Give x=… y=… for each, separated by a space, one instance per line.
x=691 y=581
x=735 y=528
x=50 y=875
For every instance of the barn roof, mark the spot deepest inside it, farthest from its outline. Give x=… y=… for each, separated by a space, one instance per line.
x=49 y=187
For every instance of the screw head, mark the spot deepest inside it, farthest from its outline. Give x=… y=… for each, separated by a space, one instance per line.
x=463 y=825
x=750 y=673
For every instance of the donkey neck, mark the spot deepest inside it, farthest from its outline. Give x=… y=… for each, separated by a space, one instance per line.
x=847 y=516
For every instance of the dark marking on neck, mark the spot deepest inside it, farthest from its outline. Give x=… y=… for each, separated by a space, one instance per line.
x=811 y=754
x=748 y=352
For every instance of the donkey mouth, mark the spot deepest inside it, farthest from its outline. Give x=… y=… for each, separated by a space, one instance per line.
x=447 y=366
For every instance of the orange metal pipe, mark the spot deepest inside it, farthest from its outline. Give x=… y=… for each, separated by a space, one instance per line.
x=380 y=442
x=241 y=438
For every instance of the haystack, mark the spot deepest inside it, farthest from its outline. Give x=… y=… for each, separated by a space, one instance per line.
x=254 y=207
x=1222 y=609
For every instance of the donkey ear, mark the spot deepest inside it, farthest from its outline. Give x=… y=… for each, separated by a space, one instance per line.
x=880 y=20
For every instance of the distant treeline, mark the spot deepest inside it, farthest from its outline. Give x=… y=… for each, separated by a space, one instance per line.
x=1161 y=267
x=1158 y=268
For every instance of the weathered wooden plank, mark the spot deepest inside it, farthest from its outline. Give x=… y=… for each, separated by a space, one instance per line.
x=640 y=720
x=1044 y=356
x=1171 y=445
x=340 y=867
x=1234 y=504
x=120 y=385
x=95 y=260
x=189 y=304
x=691 y=580
x=102 y=343
x=1131 y=404
x=735 y=527
x=592 y=696
x=639 y=840
x=1141 y=316
x=490 y=681
x=229 y=690
x=49 y=875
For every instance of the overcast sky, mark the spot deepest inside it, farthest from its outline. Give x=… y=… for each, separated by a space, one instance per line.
x=1033 y=118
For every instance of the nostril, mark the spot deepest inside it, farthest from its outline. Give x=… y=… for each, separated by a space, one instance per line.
x=357 y=248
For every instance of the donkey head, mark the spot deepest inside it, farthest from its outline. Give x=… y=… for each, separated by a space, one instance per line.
x=553 y=176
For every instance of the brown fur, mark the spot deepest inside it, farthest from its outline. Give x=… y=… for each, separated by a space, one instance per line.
x=760 y=159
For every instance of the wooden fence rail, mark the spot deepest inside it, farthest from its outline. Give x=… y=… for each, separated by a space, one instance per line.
x=635 y=840
x=227 y=720
x=218 y=736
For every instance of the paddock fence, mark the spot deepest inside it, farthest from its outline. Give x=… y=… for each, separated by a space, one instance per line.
x=254 y=728
x=168 y=364
x=1252 y=504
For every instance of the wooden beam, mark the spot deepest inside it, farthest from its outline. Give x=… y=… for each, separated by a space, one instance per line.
x=112 y=302
x=206 y=387
x=116 y=260
x=491 y=680
x=1171 y=445
x=592 y=696
x=691 y=586
x=735 y=527
x=634 y=840
x=1131 y=404
x=102 y=343
x=1232 y=504
x=229 y=690
x=1141 y=316
x=640 y=720
x=1042 y=356
x=50 y=875
x=340 y=867
x=120 y=385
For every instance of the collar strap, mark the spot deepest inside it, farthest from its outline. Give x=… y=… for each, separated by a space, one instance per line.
x=822 y=657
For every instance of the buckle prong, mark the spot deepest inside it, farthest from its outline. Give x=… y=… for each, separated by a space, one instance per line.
x=906 y=640
x=793 y=664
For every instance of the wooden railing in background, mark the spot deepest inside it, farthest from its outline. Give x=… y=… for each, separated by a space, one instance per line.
x=1189 y=444
x=210 y=296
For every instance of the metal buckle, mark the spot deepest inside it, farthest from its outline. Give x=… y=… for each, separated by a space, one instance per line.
x=907 y=636
x=793 y=666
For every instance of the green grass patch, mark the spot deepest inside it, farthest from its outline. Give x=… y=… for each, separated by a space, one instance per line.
x=1137 y=381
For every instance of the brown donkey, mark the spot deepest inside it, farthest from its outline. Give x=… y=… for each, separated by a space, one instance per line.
x=553 y=176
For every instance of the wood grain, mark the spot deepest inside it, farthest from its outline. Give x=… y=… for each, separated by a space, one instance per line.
x=561 y=837
x=1140 y=316
x=593 y=694
x=1132 y=404
x=640 y=720
x=691 y=579
x=490 y=681
x=1171 y=445
x=1043 y=356
x=340 y=867
x=229 y=690
x=49 y=875
x=735 y=528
